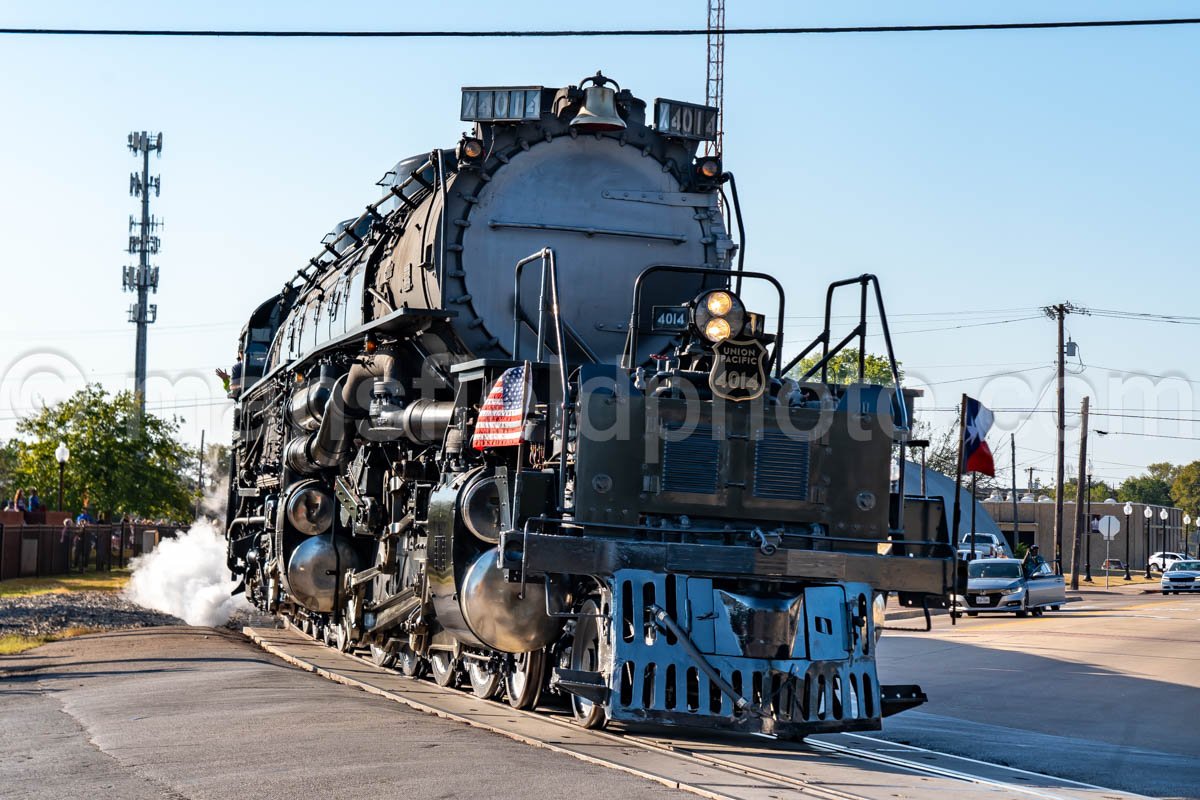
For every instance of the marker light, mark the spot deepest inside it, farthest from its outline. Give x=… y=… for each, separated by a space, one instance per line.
x=717 y=330
x=470 y=149
x=709 y=168
x=719 y=303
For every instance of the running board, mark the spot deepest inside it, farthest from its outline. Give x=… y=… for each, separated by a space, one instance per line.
x=900 y=697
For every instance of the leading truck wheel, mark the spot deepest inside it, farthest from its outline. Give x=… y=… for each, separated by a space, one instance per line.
x=443 y=668
x=485 y=683
x=523 y=684
x=585 y=657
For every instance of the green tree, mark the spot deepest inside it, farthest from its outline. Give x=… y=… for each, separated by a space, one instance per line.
x=8 y=470
x=1185 y=489
x=116 y=466
x=1100 y=492
x=1152 y=488
x=843 y=368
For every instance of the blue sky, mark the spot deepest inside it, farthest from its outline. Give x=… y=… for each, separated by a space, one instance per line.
x=990 y=173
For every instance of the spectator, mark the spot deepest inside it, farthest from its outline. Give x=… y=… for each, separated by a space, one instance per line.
x=7 y=505
x=82 y=546
x=19 y=501
x=66 y=542
x=35 y=502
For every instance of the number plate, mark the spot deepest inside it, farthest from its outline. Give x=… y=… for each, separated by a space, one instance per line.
x=685 y=120
x=983 y=600
x=669 y=319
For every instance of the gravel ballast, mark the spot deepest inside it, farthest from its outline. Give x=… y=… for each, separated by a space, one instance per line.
x=50 y=614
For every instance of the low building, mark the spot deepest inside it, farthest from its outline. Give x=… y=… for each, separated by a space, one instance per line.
x=1137 y=538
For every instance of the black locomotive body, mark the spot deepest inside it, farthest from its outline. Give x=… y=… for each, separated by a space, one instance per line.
x=514 y=426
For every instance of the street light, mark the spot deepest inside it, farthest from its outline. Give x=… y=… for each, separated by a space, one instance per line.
x=1162 y=536
x=1183 y=532
x=1147 y=512
x=62 y=455
x=1128 y=535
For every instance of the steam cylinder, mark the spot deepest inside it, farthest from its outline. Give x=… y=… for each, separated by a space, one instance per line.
x=312 y=571
x=497 y=614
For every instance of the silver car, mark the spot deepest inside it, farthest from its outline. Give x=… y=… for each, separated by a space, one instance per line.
x=1003 y=585
x=1182 y=576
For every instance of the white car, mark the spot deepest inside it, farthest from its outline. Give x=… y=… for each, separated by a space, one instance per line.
x=1163 y=561
x=988 y=544
x=1182 y=576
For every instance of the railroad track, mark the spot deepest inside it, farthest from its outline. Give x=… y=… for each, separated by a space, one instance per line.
x=718 y=766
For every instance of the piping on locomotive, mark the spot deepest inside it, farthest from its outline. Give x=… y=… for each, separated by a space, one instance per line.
x=650 y=519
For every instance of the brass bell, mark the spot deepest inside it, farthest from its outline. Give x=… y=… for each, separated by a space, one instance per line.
x=599 y=112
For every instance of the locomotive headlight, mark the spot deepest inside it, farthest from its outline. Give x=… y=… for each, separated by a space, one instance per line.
x=719 y=303
x=709 y=168
x=718 y=315
x=717 y=330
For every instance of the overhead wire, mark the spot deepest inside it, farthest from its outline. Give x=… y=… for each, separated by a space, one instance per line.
x=487 y=34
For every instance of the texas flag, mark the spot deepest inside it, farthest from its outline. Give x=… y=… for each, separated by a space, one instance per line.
x=977 y=456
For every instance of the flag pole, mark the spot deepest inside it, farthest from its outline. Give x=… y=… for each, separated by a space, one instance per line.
x=973 y=500
x=957 y=516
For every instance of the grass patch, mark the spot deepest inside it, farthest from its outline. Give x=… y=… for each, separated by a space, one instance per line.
x=13 y=643
x=63 y=584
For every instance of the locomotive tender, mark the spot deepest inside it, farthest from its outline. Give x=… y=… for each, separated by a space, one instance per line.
x=514 y=426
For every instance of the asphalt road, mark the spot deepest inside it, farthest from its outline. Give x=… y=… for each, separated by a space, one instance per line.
x=1106 y=691
x=194 y=713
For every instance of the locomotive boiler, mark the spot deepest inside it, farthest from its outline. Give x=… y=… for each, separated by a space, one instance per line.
x=515 y=427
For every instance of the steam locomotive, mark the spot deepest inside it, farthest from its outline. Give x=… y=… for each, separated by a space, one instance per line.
x=515 y=427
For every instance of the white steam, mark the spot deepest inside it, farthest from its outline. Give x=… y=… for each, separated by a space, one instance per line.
x=186 y=577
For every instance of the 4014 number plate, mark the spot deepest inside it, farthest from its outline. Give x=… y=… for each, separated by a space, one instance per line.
x=669 y=319
x=739 y=369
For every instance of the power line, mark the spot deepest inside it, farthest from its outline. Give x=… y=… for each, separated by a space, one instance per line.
x=640 y=32
x=1150 y=435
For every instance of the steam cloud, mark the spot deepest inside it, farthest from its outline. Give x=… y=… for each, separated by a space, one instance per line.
x=186 y=577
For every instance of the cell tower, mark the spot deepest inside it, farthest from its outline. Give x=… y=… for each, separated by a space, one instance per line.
x=143 y=242
x=714 y=89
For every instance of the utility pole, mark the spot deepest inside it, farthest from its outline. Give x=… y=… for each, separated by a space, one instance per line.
x=1059 y=313
x=1030 y=484
x=1012 y=445
x=1080 y=495
x=143 y=278
x=714 y=87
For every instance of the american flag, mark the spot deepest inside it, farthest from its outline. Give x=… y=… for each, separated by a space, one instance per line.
x=501 y=421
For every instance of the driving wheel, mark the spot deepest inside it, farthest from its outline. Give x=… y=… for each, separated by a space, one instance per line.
x=382 y=655
x=409 y=662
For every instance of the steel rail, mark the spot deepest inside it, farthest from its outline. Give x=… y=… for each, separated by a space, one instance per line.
x=737 y=759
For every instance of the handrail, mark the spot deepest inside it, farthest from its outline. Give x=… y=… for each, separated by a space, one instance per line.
x=630 y=353
x=549 y=282
x=860 y=332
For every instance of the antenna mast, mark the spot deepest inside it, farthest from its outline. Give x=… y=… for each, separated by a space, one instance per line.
x=143 y=242
x=714 y=89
